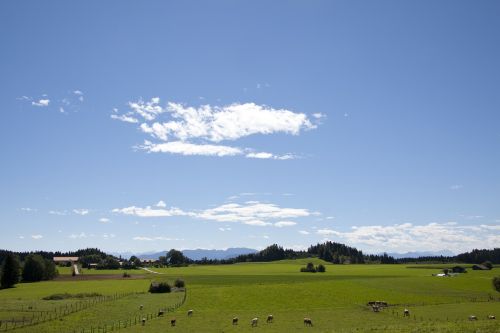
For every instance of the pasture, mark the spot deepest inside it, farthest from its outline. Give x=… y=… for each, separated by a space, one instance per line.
x=335 y=301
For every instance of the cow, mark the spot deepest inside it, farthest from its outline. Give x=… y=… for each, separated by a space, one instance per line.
x=270 y=319
x=406 y=313
x=141 y=307
x=172 y=322
x=255 y=321
x=471 y=317
x=308 y=322
x=375 y=308
x=190 y=313
x=143 y=321
x=491 y=317
x=235 y=321
x=161 y=313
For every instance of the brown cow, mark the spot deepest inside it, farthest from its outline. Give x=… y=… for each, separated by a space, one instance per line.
x=308 y=322
x=235 y=321
x=172 y=322
x=270 y=319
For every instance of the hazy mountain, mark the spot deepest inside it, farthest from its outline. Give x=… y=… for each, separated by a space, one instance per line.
x=217 y=254
x=444 y=253
x=193 y=254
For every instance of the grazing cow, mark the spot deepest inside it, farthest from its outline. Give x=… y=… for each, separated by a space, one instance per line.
x=172 y=322
x=406 y=313
x=472 y=317
x=143 y=321
x=190 y=313
x=491 y=317
x=308 y=322
x=141 y=307
x=270 y=319
x=161 y=313
x=235 y=321
x=375 y=308
x=255 y=321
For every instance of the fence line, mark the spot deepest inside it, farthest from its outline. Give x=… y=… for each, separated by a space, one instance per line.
x=39 y=317
x=132 y=321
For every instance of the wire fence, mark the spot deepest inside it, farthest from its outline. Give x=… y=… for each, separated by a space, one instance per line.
x=39 y=317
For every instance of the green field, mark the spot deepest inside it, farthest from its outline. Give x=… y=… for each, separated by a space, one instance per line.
x=335 y=300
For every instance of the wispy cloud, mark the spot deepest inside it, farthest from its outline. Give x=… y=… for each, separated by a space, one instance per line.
x=41 y=102
x=148 y=211
x=282 y=224
x=81 y=211
x=456 y=187
x=104 y=220
x=304 y=232
x=58 y=212
x=199 y=130
x=36 y=236
x=156 y=238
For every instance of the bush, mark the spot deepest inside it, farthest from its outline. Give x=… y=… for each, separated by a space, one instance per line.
x=126 y=275
x=58 y=297
x=488 y=264
x=496 y=283
x=159 y=287
x=321 y=268
x=309 y=268
x=179 y=283
x=10 y=271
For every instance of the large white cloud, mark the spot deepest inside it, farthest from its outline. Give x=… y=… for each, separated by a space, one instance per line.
x=198 y=130
x=409 y=237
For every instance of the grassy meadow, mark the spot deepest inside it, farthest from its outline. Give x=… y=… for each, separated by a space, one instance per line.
x=335 y=300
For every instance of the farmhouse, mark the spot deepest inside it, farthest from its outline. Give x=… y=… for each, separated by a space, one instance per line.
x=65 y=260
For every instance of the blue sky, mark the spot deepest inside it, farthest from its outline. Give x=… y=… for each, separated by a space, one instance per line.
x=136 y=126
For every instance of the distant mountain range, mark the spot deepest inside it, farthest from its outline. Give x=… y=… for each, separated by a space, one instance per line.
x=444 y=253
x=196 y=254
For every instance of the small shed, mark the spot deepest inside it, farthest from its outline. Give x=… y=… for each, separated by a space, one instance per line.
x=65 y=260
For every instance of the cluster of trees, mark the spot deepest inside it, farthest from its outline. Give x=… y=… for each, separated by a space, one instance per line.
x=473 y=257
x=337 y=253
x=34 y=268
x=175 y=258
x=311 y=269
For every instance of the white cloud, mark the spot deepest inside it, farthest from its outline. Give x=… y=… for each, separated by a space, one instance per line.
x=184 y=148
x=81 y=211
x=191 y=130
x=104 y=220
x=225 y=229
x=408 y=237
x=27 y=209
x=252 y=213
x=148 y=110
x=282 y=224
x=326 y=232
x=160 y=238
x=161 y=204
x=125 y=118
x=304 y=232
x=36 y=236
x=232 y=122
x=41 y=102
x=264 y=155
x=149 y=212
x=78 y=92
x=318 y=115
x=330 y=217
x=58 y=212
x=456 y=187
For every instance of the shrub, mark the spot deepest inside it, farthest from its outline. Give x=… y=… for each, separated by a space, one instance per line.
x=321 y=268
x=10 y=271
x=179 y=283
x=309 y=268
x=126 y=275
x=159 y=287
x=496 y=283
x=488 y=264
x=58 y=297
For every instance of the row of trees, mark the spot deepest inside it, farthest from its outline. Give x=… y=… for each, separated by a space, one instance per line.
x=35 y=268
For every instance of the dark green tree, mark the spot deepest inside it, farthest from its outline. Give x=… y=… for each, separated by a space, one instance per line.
x=34 y=268
x=10 y=271
x=321 y=268
x=176 y=258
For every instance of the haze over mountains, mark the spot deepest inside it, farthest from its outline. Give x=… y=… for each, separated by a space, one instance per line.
x=198 y=254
